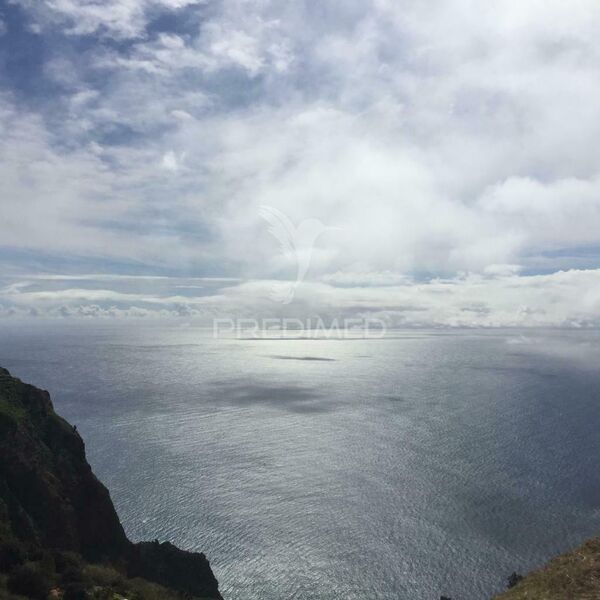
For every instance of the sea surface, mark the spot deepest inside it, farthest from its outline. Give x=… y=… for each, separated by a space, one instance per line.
x=403 y=468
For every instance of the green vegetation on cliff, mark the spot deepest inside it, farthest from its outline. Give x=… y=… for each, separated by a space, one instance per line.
x=60 y=536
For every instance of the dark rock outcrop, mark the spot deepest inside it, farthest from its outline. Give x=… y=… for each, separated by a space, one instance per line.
x=51 y=499
x=172 y=567
x=514 y=580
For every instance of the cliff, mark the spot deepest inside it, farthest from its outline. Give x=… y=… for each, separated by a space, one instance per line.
x=56 y=517
x=571 y=576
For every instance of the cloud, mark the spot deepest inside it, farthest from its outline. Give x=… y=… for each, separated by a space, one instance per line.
x=118 y=18
x=558 y=213
x=452 y=146
x=562 y=299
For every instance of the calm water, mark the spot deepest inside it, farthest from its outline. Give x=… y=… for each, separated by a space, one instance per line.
x=402 y=468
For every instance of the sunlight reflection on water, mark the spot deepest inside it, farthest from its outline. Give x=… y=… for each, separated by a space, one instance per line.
x=422 y=464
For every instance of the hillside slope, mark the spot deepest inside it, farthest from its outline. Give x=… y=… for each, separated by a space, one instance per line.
x=571 y=576
x=56 y=516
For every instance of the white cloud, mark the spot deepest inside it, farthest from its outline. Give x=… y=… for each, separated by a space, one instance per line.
x=563 y=299
x=559 y=213
x=172 y=162
x=118 y=18
x=452 y=143
x=87 y=202
x=254 y=45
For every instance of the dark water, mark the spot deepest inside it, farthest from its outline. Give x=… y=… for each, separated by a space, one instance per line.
x=402 y=468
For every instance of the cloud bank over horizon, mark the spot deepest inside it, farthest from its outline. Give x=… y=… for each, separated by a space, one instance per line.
x=451 y=145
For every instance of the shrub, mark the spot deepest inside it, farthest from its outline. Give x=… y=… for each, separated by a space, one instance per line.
x=67 y=560
x=29 y=581
x=104 y=576
x=12 y=554
x=75 y=591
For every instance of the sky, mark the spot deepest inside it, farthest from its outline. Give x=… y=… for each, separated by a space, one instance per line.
x=448 y=150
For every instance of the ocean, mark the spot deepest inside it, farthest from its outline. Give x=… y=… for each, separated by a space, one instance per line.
x=403 y=468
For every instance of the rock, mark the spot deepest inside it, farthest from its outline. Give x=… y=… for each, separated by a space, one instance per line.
x=51 y=499
x=174 y=568
x=514 y=579
x=52 y=496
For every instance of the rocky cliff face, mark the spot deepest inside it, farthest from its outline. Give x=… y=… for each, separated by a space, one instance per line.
x=50 y=498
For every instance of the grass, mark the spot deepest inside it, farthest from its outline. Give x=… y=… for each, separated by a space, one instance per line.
x=10 y=414
x=101 y=583
x=11 y=411
x=572 y=576
x=106 y=579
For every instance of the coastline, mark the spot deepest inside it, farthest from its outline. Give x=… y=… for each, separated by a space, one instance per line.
x=59 y=529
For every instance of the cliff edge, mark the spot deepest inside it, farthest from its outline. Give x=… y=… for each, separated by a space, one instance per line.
x=56 y=517
x=574 y=575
